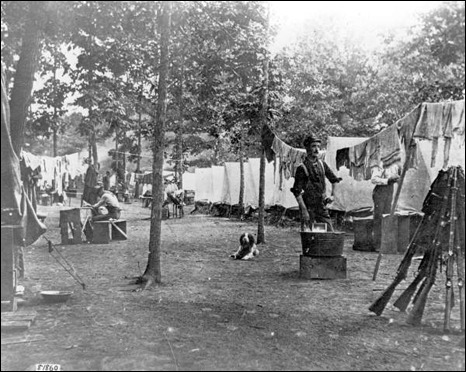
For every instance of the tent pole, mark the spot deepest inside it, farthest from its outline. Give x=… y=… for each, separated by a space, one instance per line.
x=411 y=149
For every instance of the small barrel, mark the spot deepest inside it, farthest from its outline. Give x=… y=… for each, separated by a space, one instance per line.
x=322 y=244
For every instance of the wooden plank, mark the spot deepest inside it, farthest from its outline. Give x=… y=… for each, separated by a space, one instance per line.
x=322 y=267
x=114 y=224
x=31 y=313
x=10 y=305
x=17 y=316
x=9 y=340
x=15 y=325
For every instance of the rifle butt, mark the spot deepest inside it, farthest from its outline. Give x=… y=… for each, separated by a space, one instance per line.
x=416 y=314
x=378 y=306
x=404 y=300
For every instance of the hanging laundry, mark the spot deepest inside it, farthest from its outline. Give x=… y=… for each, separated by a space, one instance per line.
x=390 y=147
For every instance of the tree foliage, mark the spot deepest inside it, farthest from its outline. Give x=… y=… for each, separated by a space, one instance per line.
x=325 y=83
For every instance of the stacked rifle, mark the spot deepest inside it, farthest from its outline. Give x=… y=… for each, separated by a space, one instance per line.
x=440 y=238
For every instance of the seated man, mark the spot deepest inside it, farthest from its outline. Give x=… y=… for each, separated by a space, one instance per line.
x=105 y=209
x=108 y=200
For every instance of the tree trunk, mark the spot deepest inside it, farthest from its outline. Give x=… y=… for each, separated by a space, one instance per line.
x=241 y=180
x=89 y=147
x=55 y=119
x=24 y=77
x=117 y=157
x=138 y=167
x=55 y=140
x=123 y=148
x=95 y=155
x=153 y=272
x=264 y=117
x=179 y=136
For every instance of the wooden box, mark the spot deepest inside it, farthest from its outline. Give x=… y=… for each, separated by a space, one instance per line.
x=102 y=232
x=363 y=240
x=322 y=267
x=116 y=233
x=389 y=240
x=407 y=225
x=70 y=225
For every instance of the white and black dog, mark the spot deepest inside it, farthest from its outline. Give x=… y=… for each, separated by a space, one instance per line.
x=247 y=248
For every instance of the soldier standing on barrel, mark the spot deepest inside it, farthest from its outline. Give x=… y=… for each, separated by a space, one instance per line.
x=309 y=186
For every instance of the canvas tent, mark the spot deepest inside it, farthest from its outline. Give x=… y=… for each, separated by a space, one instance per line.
x=189 y=181
x=351 y=194
x=221 y=184
x=16 y=206
x=20 y=224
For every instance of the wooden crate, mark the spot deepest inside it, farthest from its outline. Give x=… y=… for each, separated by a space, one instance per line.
x=102 y=232
x=70 y=225
x=363 y=240
x=117 y=234
x=407 y=225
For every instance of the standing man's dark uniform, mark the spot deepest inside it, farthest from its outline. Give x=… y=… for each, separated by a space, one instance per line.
x=309 y=185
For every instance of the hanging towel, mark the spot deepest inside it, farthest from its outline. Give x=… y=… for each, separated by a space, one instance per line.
x=390 y=149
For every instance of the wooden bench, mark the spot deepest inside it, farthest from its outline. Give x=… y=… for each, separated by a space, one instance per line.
x=104 y=231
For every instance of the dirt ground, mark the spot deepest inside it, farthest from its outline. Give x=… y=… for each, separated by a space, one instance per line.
x=215 y=313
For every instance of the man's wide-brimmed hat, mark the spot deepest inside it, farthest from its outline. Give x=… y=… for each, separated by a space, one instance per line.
x=310 y=140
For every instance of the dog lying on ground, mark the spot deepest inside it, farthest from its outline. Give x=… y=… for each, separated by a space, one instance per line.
x=247 y=248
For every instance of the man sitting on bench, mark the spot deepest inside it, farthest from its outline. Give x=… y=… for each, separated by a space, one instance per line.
x=108 y=200
x=105 y=209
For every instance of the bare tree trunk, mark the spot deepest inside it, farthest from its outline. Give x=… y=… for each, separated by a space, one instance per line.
x=179 y=136
x=241 y=180
x=55 y=140
x=138 y=167
x=89 y=147
x=55 y=119
x=124 y=155
x=264 y=117
x=94 y=148
x=153 y=272
x=24 y=77
x=216 y=155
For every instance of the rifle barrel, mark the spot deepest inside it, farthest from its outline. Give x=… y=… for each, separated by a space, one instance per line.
x=451 y=243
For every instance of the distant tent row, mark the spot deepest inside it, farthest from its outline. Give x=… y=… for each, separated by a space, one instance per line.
x=221 y=184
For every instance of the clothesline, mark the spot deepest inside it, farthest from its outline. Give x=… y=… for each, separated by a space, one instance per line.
x=130 y=154
x=141 y=156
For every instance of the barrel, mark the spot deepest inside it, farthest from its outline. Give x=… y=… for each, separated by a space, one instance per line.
x=362 y=227
x=322 y=244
